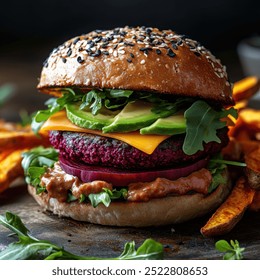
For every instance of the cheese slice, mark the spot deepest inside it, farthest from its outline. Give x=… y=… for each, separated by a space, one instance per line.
x=145 y=143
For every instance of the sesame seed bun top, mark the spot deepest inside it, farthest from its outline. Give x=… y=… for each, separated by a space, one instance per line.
x=142 y=59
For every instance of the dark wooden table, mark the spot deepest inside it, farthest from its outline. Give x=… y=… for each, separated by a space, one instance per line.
x=182 y=241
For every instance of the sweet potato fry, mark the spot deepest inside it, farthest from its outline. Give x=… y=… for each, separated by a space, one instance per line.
x=255 y=205
x=20 y=139
x=231 y=211
x=236 y=150
x=251 y=118
x=245 y=88
x=252 y=160
x=10 y=169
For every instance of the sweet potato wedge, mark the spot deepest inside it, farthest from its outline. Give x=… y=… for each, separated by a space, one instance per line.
x=231 y=211
x=20 y=139
x=245 y=88
x=10 y=169
x=255 y=205
x=252 y=160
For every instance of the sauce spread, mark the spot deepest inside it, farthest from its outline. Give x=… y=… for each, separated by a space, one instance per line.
x=58 y=184
x=197 y=181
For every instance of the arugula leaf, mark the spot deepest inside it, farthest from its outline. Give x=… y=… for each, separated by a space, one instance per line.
x=106 y=196
x=232 y=250
x=35 y=162
x=93 y=100
x=148 y=250
x=202 y=124
x=14 y=223
x=54 y=105
x=29 y=247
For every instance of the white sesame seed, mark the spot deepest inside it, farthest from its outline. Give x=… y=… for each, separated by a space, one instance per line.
x=142 y=61
x=110 y=51
x=115 y=53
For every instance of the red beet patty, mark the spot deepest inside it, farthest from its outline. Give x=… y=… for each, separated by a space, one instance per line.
x=104 y=151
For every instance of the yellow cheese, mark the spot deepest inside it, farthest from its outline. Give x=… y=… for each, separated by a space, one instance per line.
x=145 y=143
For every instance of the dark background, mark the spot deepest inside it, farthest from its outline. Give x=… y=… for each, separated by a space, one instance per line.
x=29 y=30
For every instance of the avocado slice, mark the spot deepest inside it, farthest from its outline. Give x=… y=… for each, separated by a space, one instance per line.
x=175 y=124
x=135 y=115
x=85 y=119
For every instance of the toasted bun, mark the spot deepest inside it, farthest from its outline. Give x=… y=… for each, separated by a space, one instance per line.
x=141 y=59
x=163 y=211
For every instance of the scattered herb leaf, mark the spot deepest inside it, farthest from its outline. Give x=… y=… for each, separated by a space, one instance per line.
x=232 y=250
x=29 y=247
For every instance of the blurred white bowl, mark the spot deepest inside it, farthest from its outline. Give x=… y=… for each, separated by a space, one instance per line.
x=249 y=55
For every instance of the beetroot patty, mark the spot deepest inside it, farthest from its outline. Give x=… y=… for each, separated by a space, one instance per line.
x=103 y=151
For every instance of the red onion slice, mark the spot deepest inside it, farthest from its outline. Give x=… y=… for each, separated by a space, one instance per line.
x=118 y=177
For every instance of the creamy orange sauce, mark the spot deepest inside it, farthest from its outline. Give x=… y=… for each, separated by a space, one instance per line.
x=58 y=183
x=197 y=181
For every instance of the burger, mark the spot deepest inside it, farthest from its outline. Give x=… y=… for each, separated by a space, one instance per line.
x=137 y=122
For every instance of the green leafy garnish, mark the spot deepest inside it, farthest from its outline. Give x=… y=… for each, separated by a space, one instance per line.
x=216 y=166
x=54 y=105
x=202 y=124
x=29 y=247
x=6 y=92
x=216 y=170
x=35 y=163
x=232 y=250
x=228 y=162
x=106 y=196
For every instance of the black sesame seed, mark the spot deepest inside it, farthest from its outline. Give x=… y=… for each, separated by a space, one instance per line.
x=115 y=46
x=145 y=49
x=64 y=60
x=97 y=53
x=129 y=44
x=123 y=33
x=148 y=30
x=98 y=39
x=98 y=31
x=197 y=53
x=80 y=60
x=69 y=52
x=104 y=39
x=104 y=45
x=132 y=55
x=179 y=43
x=158 y=51
x=174 y=46
x=129 y=60
x=171 y=53
x=76 y=41
x=105 y=52
x=80 y=49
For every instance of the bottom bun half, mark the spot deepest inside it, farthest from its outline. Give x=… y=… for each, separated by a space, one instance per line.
x=156 y=212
